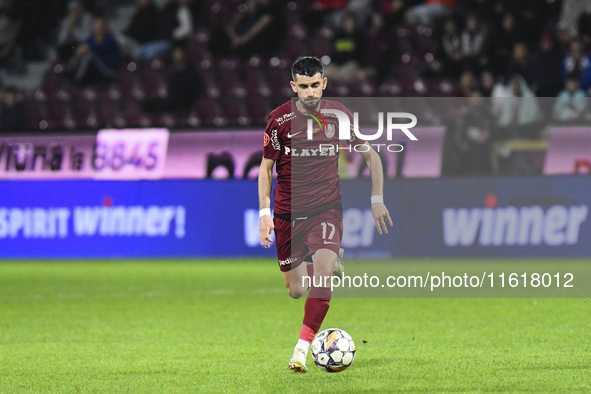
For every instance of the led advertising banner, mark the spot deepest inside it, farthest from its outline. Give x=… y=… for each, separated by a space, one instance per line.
x=135 y=154
x=569 y=151
x=505 y=217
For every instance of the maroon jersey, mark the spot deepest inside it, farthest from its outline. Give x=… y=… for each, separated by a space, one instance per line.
x=307 y=170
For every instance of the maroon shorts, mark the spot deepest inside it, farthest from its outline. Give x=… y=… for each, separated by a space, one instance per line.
x=299 y=239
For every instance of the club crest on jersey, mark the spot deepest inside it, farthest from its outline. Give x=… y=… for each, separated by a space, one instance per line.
x=329 y=131
x=267 y=140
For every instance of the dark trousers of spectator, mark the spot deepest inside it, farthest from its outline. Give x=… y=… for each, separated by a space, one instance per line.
x=66 y=51
x=90 y=70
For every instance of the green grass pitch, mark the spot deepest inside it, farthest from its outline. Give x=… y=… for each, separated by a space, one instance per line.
x=229 y=326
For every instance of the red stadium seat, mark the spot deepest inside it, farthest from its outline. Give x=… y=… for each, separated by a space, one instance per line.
x=208 y=110
x=36 y=114
x=234 y=111
x=131 y=113
x=58 y=112
x=85 y=115
x=109 y=115
x=258 y=110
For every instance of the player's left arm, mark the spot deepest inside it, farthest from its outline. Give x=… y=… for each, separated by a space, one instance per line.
x=380 y=213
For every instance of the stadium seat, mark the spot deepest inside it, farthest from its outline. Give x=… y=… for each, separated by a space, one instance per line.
x=192 y=120
x=258 y=110
x=108 y=115
x=51 y=83
x=153 y=84
x=88 y=94
x=113 y=93
x=38 y=96
x=35 y=114
x=320 y=47
x=234 y=111
x=84 y=114
x=207 y=110
x=58 y=112
x=63 y=95
x=227 y=82
x=168 y=120
x=131 y=113
x=390 y=88
x=127 y=81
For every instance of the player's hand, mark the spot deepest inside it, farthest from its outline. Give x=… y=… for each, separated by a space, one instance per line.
x=266 y=227
x=381 y=215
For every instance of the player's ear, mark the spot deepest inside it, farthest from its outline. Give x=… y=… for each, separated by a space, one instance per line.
x=293 y=86
x=324 y=82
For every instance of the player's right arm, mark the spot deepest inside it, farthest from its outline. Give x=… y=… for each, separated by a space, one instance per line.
x=271 y=153
x=265 y=181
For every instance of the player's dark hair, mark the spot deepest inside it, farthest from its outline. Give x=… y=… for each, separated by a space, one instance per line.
x=307 y=66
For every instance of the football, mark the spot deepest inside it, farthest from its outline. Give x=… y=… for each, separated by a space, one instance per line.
x=333 y=350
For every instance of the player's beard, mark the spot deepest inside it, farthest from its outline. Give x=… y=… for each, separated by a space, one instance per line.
x=310 y=103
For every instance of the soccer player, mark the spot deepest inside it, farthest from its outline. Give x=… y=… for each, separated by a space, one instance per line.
x=308 y=215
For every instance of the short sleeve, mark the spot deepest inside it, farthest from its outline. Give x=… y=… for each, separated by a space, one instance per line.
x=354 y=140
x=272 y=146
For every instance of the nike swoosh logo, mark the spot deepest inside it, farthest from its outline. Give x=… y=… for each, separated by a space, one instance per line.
x=289 y=135
x=328 y=242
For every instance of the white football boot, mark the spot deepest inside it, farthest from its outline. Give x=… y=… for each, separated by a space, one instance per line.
x=297 y=362
x=339 y=267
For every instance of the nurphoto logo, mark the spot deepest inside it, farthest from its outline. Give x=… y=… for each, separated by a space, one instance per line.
x=345 y=127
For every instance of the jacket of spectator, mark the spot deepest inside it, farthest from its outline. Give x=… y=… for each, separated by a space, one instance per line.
x=578 y=61
x=571 y=102
x=571 y=11
x=9 y=25
x=142 y=24
x=77 y=26
x=348 y=44
x=106 y=50
x=175 y=22
x=521 y=106
x=547 y=69
x=568 y=105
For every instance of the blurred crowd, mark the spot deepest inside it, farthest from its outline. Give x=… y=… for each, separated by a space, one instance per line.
x=225 y=62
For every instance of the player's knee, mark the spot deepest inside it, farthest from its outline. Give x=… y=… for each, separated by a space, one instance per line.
x=295 y=293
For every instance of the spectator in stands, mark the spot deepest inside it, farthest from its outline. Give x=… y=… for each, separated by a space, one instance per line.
x=520 y=110
x=184 y=87
x=520 y=63
x=473 y=44
x=436 y=69
x=379 y=52
x=175 y=26
x=468 y=83
x=141 y=28
x=502 y=43
x=578 y=62
x=393 y=11
x=487 y=83
x=38 y=26
x=10 y=27
x=546 y=71
x=347 y=52
x=317 y=11
x=571 y=14
x=12 y=117
x=430 y=11
x=97 y=59
x=571 y=104
x=75 y=29
x=451 y=51
x=473 y=137
x=259 y=30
